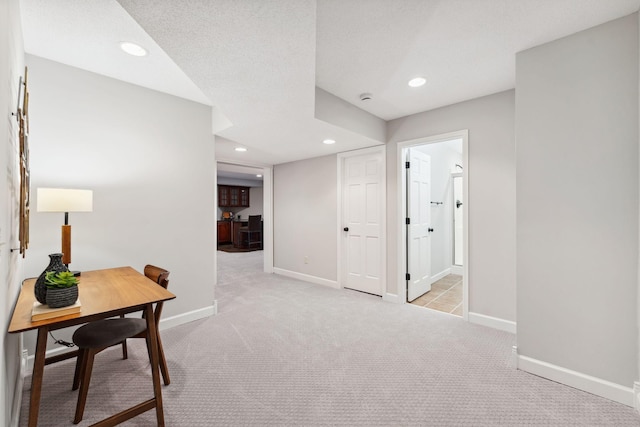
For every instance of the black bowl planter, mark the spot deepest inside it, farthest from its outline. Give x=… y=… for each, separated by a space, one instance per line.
x=62 y=297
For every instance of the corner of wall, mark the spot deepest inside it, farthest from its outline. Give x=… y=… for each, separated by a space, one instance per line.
x=11 y=54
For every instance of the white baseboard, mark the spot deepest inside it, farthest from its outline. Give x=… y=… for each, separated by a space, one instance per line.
x=165 y=323
x=394 y=298
x=440 y=275
x=493 y=322
x=593 y=385
x=50 y=353
x=17 y=402
x=457 y=269
x=17 y=395
x=306 y=277
x=189 y=316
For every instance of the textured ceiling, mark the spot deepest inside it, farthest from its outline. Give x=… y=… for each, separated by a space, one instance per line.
x=464 y=48
x=258 y=62
x=86 y=34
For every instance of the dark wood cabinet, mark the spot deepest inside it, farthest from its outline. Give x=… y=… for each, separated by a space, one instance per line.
x=224 y=232
x=223 y=196
x=233 y=196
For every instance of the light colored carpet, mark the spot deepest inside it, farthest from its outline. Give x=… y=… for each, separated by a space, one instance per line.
x=287 y=353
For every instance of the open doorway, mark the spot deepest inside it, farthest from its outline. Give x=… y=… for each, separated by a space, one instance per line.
x=240 y=198
x=244 y=219
x=433 y=246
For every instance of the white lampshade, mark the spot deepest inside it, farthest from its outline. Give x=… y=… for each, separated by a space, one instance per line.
x=64 y=200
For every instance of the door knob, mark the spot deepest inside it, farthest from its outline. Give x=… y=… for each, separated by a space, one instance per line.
x=346 y=229
x=430 y=230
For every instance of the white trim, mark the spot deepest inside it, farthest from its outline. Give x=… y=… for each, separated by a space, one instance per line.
x=17 y=394
x=493 y=322
x=465 y=231
x=267 y=213
x=189 y=316
x=636 y=385
x=339 y=230
x=17 y=402
x=401 y=204
x=394 y=298
x=457 y=269
x=306 y=277
x=593 y=385
x=383 y=214
x=440 y=275
x=166 y=323
x=242 y=163
x=49 y=353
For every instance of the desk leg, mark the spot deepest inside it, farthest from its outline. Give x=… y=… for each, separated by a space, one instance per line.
x=36 y=376
x=152 y=343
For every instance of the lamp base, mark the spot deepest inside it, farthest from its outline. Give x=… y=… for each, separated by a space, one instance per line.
x=76 y=273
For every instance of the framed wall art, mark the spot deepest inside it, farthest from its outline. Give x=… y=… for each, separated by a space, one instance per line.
x=25 y=185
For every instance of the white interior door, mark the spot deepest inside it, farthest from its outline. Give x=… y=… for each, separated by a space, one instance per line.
x=362 y=222
x=419 y=227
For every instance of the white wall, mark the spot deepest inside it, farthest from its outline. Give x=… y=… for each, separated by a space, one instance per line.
x=12 y=59
x=331 y=109
x=443 y=161
x=491 y=210
x=255 y=203
x=577 y=185
x=305 y=216
x=149 y=159
x=638 y=289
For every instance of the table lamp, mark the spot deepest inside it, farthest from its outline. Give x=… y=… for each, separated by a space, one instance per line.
x=65 y=200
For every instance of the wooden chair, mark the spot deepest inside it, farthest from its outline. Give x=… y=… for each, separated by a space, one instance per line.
x=96 y=336
x=252 y=234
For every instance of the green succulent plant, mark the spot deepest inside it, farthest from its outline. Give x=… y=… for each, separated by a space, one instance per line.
x=59 y=280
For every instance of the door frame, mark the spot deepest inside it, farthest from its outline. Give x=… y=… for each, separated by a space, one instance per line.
x=267 y=210
x=401 y=205
x=383 y=214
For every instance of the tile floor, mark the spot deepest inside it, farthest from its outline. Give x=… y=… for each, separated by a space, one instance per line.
x=445 y=295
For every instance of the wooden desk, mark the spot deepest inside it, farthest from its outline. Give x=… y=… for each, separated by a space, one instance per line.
x=103 y=293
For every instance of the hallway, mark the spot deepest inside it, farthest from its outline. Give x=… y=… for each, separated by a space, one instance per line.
x=445 y=295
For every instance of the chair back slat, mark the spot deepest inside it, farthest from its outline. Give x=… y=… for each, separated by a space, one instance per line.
x=255 y=222
x=161 y=277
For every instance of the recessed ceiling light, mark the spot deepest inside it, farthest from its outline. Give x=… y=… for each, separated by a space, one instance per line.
x=417 y=82
x=258 y=176
x=241 y=149
x=329 y=141
x=133 y=49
